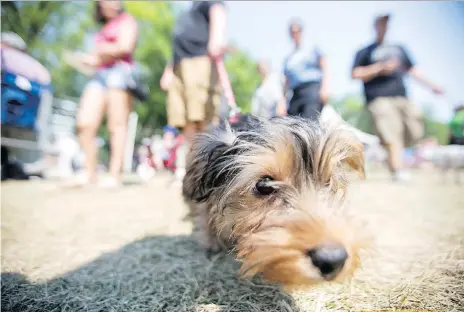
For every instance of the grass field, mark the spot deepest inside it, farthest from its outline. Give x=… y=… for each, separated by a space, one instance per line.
x=129 y=250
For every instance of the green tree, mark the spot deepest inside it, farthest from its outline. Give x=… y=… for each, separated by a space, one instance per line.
x=28 y=19
x=244 y=78
x=436 y=129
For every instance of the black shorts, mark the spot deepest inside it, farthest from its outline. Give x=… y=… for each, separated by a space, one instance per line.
x=306 y=101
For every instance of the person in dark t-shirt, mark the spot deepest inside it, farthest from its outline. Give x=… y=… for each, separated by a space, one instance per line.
x=191 y=78
x=382 y=66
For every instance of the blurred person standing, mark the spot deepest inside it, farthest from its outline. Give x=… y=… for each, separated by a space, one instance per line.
x=191 y=78
x=268 y=99
x=108 y=91
x=381 y=66
x=306 y=75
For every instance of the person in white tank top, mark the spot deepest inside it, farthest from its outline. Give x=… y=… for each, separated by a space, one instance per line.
x=269 y=100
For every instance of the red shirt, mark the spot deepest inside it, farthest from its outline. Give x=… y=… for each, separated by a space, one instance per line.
x=110 y=32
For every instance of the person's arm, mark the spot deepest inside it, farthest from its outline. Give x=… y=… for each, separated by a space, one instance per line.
x=361 y=70
x=166 y=78
x=417 y=74
x=127 y=39
x=325 y=90
x=84 y=62
x=369 y=72
x=217 y=29
x=281 y=107
x=286 y=82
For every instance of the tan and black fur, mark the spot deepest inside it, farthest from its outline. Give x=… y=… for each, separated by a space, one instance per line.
x=273 y=191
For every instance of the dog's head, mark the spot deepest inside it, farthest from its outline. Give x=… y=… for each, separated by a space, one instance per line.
x=277 y=187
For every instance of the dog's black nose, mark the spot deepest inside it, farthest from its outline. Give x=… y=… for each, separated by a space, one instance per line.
x=328 y=259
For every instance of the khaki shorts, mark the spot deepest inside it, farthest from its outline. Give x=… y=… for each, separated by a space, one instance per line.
x=195 y=92
x=396 y=120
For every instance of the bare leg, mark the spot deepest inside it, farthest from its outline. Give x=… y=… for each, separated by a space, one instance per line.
x=190 y=130
x=119 y=108
x=89 y=117
x=395 y=161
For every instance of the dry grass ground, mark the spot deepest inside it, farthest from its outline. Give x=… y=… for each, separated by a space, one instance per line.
x=129 y=250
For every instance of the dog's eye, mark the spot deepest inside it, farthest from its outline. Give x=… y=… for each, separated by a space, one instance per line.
x=262 y=187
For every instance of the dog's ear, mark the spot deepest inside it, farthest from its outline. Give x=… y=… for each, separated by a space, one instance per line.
x=339 y=149
x=207 y=163
x=355 y=157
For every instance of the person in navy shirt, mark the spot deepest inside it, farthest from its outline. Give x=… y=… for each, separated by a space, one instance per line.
x=306 y=76
x=382 y=66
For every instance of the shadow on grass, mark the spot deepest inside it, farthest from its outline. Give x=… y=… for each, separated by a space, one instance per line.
x=157 y=273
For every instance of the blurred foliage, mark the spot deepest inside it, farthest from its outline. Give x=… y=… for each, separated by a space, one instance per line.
x=28 y=19
x=244 y=78
x=51 y=27
x=437 y=130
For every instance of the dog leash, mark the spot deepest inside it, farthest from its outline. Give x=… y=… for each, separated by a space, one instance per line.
x=227 y=88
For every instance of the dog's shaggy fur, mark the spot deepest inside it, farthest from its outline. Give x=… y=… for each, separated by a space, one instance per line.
x=273 y=192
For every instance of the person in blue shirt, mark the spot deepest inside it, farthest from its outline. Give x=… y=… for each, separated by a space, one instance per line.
x=305 y=70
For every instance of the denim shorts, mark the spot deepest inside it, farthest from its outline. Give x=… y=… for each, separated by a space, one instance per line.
x=118 y=76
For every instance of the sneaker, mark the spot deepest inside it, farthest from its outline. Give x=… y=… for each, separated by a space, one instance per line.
x=178 y=178
x=78 y=181
x=109 y=183
x=179 y=173
x=401 y=176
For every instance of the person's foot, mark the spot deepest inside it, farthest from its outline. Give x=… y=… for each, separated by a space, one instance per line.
x=109 y=183
x=178 y=177
x=177 y=183
x=401 y=176
x=80 y=180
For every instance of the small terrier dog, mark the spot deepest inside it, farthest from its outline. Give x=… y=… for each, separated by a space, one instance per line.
x=272 y=191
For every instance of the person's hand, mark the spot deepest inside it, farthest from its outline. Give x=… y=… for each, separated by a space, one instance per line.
x=166 y=80
x=390 y=66
x=88 y=59
x=438 y=90
x=281 y=110
x=324 y=94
